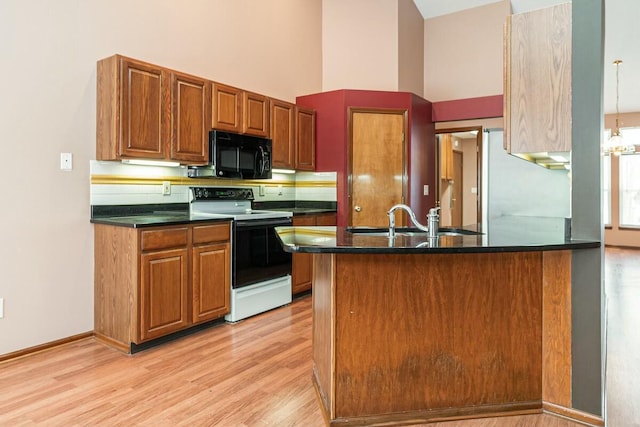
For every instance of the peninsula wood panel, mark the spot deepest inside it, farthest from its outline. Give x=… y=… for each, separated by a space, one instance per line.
x=497 y=327
x=539 y=78
x=464 y=336
x=556 y=328
x=323 y=329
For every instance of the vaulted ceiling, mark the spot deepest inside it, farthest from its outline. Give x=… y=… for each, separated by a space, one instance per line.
x=622 y=32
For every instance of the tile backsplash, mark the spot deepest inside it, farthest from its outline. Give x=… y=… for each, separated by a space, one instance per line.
x=114 y=183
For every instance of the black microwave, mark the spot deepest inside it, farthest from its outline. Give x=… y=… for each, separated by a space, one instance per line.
x=236 y=156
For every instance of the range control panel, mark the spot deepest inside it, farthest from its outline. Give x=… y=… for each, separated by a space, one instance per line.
x=221 y=193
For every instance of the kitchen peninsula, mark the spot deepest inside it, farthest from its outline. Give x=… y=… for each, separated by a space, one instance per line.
x=414 y=329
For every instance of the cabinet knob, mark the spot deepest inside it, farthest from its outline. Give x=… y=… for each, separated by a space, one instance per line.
x=357 y=208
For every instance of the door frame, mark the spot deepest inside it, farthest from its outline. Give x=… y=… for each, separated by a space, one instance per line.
x=405 y=141
x=479 y=143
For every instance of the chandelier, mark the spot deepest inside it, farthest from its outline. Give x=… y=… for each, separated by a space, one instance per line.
x=616 y=144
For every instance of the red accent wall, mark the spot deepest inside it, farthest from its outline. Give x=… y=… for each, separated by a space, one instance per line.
x=470 y=108
x=332 y=136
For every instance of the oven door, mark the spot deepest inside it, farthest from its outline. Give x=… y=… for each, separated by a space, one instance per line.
x=257 y=253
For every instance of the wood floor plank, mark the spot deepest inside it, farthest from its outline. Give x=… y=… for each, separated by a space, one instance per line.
x=258 y=373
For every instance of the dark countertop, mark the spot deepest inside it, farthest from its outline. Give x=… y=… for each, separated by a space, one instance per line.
x=153 y=215
x=343 y=240
x=153 y=220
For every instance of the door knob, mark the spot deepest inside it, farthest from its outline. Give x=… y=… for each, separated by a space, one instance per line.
x=357 y=208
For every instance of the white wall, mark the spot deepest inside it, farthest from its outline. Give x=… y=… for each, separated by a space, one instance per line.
x=49 y=53
x=360 y=44
x=463 y=53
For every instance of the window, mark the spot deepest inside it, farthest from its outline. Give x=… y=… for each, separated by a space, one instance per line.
x=630 y=182
x=606 y=190
x=630 y=190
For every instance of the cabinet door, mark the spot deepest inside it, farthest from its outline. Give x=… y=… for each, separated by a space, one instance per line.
x=163 y=293
x=538 y=81
x=326 y=219
x=227 y=108
x=211 y=281
x=302 y=264
x=305 y=139
x=282 y=134
x=191 y=104
x=143 y=110
x=255 y=114
x=446 y=157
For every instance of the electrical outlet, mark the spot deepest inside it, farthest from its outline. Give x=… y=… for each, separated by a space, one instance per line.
x=279 y=190
x=261 y=190
x=66 y=161
x=166 y=188
x=1 y=308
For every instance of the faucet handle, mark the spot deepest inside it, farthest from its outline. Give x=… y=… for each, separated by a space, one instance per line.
x=434 y=211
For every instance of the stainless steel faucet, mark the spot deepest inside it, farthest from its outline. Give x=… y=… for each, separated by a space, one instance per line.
x=432 y=220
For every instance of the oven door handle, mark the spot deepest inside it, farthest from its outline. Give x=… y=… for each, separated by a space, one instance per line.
x=263 y=222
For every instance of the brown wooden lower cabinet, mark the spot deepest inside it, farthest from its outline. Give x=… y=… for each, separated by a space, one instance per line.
x=155 y=281
x=302 y=264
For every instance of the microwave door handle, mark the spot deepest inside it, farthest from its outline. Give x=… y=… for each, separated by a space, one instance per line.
x=260 y=161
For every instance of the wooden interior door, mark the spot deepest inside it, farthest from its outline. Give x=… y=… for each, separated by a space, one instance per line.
x=456 y=194
x=376 y=166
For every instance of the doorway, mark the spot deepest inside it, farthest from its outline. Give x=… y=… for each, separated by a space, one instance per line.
x=377 y=165
x=459 y=166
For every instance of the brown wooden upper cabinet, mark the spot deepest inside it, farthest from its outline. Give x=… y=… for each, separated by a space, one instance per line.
x=191 y=109
x=256 y=114
x=446 y=157
x=282 y=134
x=537 y=92
x=227 y=108
x=293 y=135
x=240 y=111
x=149 y=112
x=305 y=139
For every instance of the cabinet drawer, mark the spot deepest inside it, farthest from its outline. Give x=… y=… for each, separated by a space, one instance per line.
x=211 y=233
x=163 y=239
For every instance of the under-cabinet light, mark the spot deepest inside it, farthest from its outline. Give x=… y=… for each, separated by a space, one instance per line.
x=142 y=162
x=283 y=171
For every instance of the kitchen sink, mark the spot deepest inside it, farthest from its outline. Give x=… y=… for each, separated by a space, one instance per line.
x=407 y=231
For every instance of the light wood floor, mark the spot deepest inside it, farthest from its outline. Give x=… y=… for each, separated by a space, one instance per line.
x=257 y=373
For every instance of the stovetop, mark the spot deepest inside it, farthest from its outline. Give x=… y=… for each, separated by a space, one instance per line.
x=222 y=202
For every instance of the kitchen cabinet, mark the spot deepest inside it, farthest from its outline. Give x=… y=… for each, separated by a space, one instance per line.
x=145 y=111
x=163 y=282
x=305 y=139
x=446 y=157
x=537 y=80
x=255 y=115
x=282 y=134
x=302 y=263
x=191 y=109
x=239 y=111
x=151 y=282
x=131 y=110
x=211 y=272
x=293 y=136
x=227 y=108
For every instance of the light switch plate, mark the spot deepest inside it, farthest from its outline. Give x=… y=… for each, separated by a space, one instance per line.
x=66 y=161
x=426 y=190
